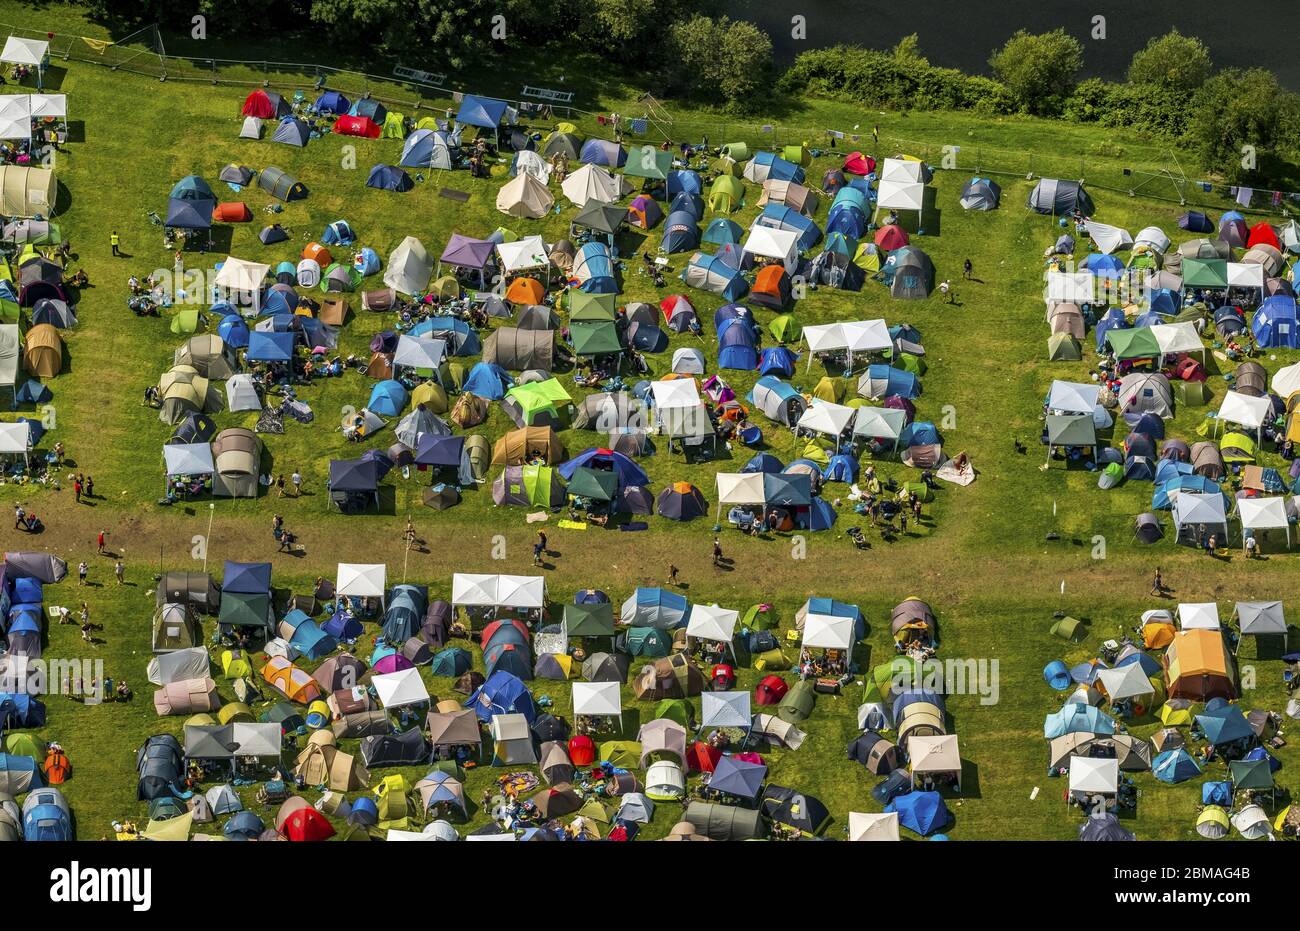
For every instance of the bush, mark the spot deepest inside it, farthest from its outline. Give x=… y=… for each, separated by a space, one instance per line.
x=1173 y=60
x=1039 y=70
x=1150 y=108
x=721 y=61
x=1238 y=108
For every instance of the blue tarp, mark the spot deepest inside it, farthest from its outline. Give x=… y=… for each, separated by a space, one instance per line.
x=246 y=578
x=269 y=347
x=483 y=112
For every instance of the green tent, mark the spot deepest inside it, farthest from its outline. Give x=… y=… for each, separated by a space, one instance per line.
x=900 y=668
x=597 y=484
x=9 y=311
x=1250 y=774
x=758 y=619
x=1062 y=347
x=1205 y=273
x=1133 y=343
x=649 y=642
x=1192 y=393
x=677 y=709
x=538 y=398
x=595 y=339
x=1237 y=447
x=622 y=753
x=1071 y=430
x=798 y=702
x=186 y=322
x=726 y=194
x=592 y=308
x=539 y=483
x=589 y=620
x=648 y=161
x=736 y=150
x=20 y=744
x=909 y=363
x=785 y=329
x=243 y=609
x=1070 y=628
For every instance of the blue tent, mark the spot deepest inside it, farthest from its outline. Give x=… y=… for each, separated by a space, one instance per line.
x=681 y=234
x=243 y=825
x=590 y=596
x=388 y=398
x=657 y=608
x=1196 y=222
x=712 y=273
x=1259 y=753
x=1150 y=665
x=33 y=392
x=841 y=243
x=332 y=102
x=787 y=490
x=841 y=468
x=1275 y=324
x=603 y=152
x=342 y=625
x=684 y=181
x=778 y=169
x=763 y=462
x=488 y=380
x=1113 y=319
x=234 y=331
x=722 y=231
x=189 y=214
x=738 y=778
x=920 y=433
x=18 y=709
x=628 y=472
x=1224 y=725
x=46 y=821
x=461 y=338
x=781 y=217
x=1104 y=266
x=192 y=187
x=1165 y=301
x=737 y=346
x=914 y=696
x=1075 y=718
x=21 y=765
x=922 y=812
x=451 y=662
x=1056 y=675
x=594 y=269
x=389 y=178
x=312 y=642
x=427 y=148
x=246 y=578
x=279 y=299
x=1174 y=766
x=847 y=219
x=483 y=112
x=1163 y=498
x=819 y=516
x=692 y=204
x=338 y=233
x=510 y=658
x=26 y=590
x=1150 y=425
x=502 y=693
x=899 y=382
x=369 y=107
x=292 y=131
x=777 y=360
x=269 y=347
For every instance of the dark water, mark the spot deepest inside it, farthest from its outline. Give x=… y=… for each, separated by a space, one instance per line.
x=962 y=33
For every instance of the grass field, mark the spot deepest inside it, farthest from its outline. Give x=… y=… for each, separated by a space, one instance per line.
x=981 y=558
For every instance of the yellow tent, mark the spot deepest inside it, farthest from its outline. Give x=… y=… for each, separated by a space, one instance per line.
x=173 y=829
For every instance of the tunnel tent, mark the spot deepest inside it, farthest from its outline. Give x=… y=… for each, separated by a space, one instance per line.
x=26 y=191
x=1056 y=197
x=43 y=351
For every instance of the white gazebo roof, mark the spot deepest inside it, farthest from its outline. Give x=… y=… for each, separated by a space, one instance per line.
x=15 y=116
x=16 y=438
x=1069 y=397
x=936 y=753
x=240 y=275
x=1245 y=275
x=602 y=698
x=826 y=417
x=828 y=632
x=1070 y=287
x=521 y=591
x=1261 y=617
x=740 y=488
x=404 y=687
x=187 y=459
x=1242 y=409
x=419 y=353
x=472 y=590
x=855 y=336
x=725 y=709
x=1092 y=774
x=1125 y=682
x=873 y=826
x=1177 y=337
x=887 y=422
x=523 y=254
x=361 y=580
x=1201 y=615
x=675 y=393
x=1263 y=513
x=712 y=623
x=256 y=738
x=20 y=51
x=901 y=169
x=1193 y=508
x=49 y=105
x=900 y=195
x=782 y=245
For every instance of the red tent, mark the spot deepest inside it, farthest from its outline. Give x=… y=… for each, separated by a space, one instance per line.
x=855 y=163
x=307 y=824
x=357 y=126
x=1263 y=234
x=891 y=236
x=232 y=212
x=1188 y=369
x=702 y=757
x=582 y=750
x=491 y=629
x=258 y=104
x=770 y=690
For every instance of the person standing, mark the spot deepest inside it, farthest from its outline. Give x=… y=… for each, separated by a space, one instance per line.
x=1157 y=583
x=115 y=241
x=717 y=552
x=945 y=288
x=296 y=479
x=76 y=488
x=90 y=487
x=541 y=541
x=279 y=486
x=119 y=571
x=103 y=535
x=82 y=571
x=537 y=553
x=20 y=517
x=967 y=269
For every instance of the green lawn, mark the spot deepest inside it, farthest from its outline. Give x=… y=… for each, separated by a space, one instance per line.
x=981 y=558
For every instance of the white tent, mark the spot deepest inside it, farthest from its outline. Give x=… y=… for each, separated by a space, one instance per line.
x=710 y=622
x=900 y=195
x=529 y=162
x=1069 y=287
x=254 y=739
x=826 y=417
x=593 y=182
x=828 y=632
x=872 y=826
x=179 y=666
x=473 y=590
x=688 y=361
x=1109 y=238
x=240 y=275
x=883 y=422
x=599 y=699
x=1262 y=617
x=901 y=169
x=419 y=352
x=739 y=489
x=1245 y=275
x=1068 y=397
x=1264 y=514
x=1200 y=615
x=1173 y=338
x=44 y=105
x=498 y=591
x=30 y=52
x=850 y=337
x=188 y=459
x=241 y=393
x=1125 y=682
x=361 y=580
x=1152 y=236
x=396 y=689
x=15 y=116
x=725 y=709
x=679 y=410
x=781 y=245
x=409 y=267
x=15 y=439
x=936 y=754
x=1286 y=381
x=1244 y=410
x=1094 y=775
x=522 y=255
x=10 y=350
x=1192 y=509
x=1251 y=823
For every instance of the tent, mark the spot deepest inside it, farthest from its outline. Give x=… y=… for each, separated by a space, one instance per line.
x=525 y=197
x=981 y=194
x=26 y=191
x=1057 y=197
x=1197 y=666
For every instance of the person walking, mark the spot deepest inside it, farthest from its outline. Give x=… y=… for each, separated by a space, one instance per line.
x=90 y=487
x=1157 y=583
x=541 y=541
x=76 y=488
x=119 y=571
x=279 y=486
x=967 y=269
x=82 y=571
x=945 y=288
x=103 y=536
x=537 y=553
x=717 y=552
x=672 y=574
x=296 y=479
x=115 y=241
x=20 y=517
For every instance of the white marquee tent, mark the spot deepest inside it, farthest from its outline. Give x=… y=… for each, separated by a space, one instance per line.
x=883 y=422
x=1070 y=288
x=767 y=243
x=827 y=632
x=710 y=622
x=1068 y=397
x=1199 y=615
x=1244 y=410
x=524 y=592
x=873 y=826
x=598 y=699
x=188 y=459
x=1192 y=510
x=934 y=755
x=361 y=580
x=1264 y=514
x=1093 y=775
x=396 y=689
x=725 y=709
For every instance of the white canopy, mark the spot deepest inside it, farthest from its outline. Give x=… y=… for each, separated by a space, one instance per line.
x=523 y=254
x=1068 y=397
x=1069 y=287
x=1242 y=409
x=15 y=116
x=676 y=393
x=1199 y=615
x=710 y=622
x=1286 y=381
x=1094 y=775
x=597 y=698
x=1125 y=682
x=936 y=753
x=16 y=438
x=187 y=459
x=851 y=336
x=873 y=826
x=1192 y=508
x=1261 y=617
x=241 y=393
x=361 y=580
x=498 y=591
x=419 y=352
x=725 y=709
x=828 y=632
x=404 y=687
x=256 y=739
x=678 y=408
x=740 y=488
x=901 y=169
x=1264 y=514
x=1245 y=275
x=886 y=422
x=826 y=417
x=20 y=51
x=1109 y=238
x=900 y=195
x=1177 y=337
x=768 y=243
x=240 y=275
x=473 y=590
x=49 y=105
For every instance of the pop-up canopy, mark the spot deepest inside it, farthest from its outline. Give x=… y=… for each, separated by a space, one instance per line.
x=827 y=632
x=361 y=580
x=1264 y=514
x=498 y=591
x=598 y=698
x=404 y=687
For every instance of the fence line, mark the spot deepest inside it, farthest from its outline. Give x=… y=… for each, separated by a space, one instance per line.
x=149 y=58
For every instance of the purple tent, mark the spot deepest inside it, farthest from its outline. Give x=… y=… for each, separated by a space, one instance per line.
x=439 y=450
x=466 y=252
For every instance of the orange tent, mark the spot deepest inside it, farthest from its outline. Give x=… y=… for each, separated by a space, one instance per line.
x=57 y=767
x=293 y=683
x=318 y=254
x=232 y=212
x=526 y=291
x=1198 y=667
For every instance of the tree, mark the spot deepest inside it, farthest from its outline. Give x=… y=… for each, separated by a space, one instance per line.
x=1039 y=70
x=1238 y=118
x=1173 y=60
x=724 y=60
x=908 y=49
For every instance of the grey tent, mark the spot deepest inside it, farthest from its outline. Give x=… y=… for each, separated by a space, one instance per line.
x=45 y=567
x=1070 y=430
x=158 y=764
x=237 y=454
x=981 y=194
x=1207 y=460
x=877 y=754
x=280 y=185
x=1261 y=617
x=175 y=627
x=1145 y=393
x=193 y=588
x=236 y=174
x=1147 y=528
x=516 y=350
x=292 y=131
x=913 y=274
x=1059 y=197
x=725 y=822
